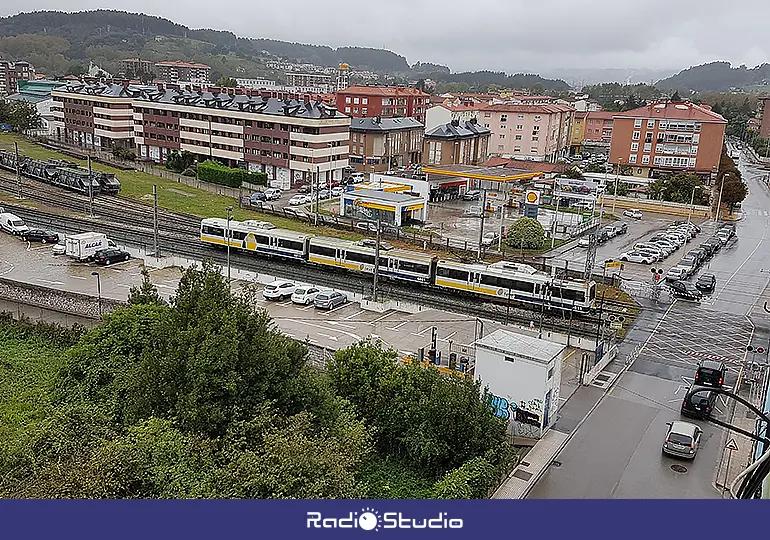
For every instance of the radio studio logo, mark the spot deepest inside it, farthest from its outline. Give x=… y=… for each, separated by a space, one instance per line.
x=369 y=519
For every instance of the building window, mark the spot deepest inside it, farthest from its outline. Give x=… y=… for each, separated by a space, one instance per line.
x=537 y=118
x=648 y=137
x=634 y=146
x=518 y=137
x=521 y=117
x=355 y=110
x=632 y=158
x=347 y=109
x=500 y=147
x=363 y=111
x=645 y=160
x=347 y=100
x=503 y=117
x=648 y=147
x=533 y=150
x=486 y=125
x=502 y=136
x=364 y=101
x=550 y=373
x=638 y=123
x=637 y=135
x=535 y=138
x=519 y=127
x=487 y=115
x=651 y=123
x=516 y=148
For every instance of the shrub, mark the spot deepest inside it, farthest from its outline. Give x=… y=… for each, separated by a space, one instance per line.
x=472 y=480
x=216 y=173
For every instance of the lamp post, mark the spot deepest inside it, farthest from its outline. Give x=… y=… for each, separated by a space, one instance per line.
x=376 y=259
x=98 y=291
x=617 y=178
x=227 y=234
x=692 y=202
x=719 y=201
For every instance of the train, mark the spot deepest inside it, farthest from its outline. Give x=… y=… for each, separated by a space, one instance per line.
x=501 y=282
x=61 y=173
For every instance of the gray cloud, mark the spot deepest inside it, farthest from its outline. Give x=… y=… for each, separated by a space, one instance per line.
x=501 y=35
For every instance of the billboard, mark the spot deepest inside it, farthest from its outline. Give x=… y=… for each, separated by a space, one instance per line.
x=576 y=189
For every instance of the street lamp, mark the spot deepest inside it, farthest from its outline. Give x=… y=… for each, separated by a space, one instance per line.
x=617 y=178
x=227 y=239
x=98 y=291
x=719 y=201
x=692 y=202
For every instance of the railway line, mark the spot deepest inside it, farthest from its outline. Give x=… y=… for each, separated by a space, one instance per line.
x=111 y=207
x=187 y=246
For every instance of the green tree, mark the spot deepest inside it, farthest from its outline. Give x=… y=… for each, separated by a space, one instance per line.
x=595 y=168
x=679 y=188
x=623 y=189
x=227 y=81
x=573 y=173
x=21 y=115
x=146 y=293
x=733 y=190
x=526 y=233
x=472 y=480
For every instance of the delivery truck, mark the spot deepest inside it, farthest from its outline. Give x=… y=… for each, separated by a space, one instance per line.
x=83 y=246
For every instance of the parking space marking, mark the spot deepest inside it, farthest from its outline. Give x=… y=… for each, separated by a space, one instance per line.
x=337 y=323
x=399 y=325
x=354 y=315
x=79 y=277
x=307 y=307
x=284 y=303
x=388 y=314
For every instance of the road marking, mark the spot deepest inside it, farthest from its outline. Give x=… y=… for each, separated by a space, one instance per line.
x=286 y=303
x=447 y=338
x=326 y=336
x=764 y=235
x=354 y=315
x=399 y=325
x=307 y=307
x=79 y=277
x=337 y=323
x=49 y=282
x=381 y=318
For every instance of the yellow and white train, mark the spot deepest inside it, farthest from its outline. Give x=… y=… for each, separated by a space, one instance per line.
x=503 y=281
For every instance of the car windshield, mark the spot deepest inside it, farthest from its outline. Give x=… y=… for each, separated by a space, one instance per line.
x=322 y=297
x=270 y=288
x=679 y=438
x=18 y=223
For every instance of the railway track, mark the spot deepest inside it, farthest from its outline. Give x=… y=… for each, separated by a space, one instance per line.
x=112 y=207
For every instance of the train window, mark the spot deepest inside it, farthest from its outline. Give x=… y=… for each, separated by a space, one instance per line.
x=291 y=244
x=384 y=262
x=238 y=235
x=451 y=273
x=592 y=293
x=262 y=239
x=409 y=266
x=556 y=292
x=523 y=286
x=213 y=231
x=323 y=251
x=492 y=281
x=360 y=257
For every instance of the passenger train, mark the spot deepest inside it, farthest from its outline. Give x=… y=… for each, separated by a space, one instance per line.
x=502 y=281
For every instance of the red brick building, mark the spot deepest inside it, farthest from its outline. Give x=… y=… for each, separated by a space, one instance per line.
x=763 y=115
x=11 y=73
x=668 y=137
x=598 y=127
x=383 y=101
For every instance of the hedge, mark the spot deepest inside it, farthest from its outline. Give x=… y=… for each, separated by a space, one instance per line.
x=216 y=173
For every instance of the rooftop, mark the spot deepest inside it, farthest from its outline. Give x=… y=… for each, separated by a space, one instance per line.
x=182 y=64
x=456 y=130
x=680 y=110
x=527 y=165
x=521 y=346
x=384 y=124
x=382 y=91
x=387 y=196
x=601 y=115
x=549 y=108
x=112 y=90
x=495 y=174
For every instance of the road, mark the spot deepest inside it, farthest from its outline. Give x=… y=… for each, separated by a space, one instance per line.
x=616 y=452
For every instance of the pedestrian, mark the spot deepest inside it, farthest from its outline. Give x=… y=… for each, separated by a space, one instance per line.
x=531 y=325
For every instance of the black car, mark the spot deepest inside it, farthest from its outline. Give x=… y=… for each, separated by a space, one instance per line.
x=111 y=255
x=714 y=243
x=706 y=283
x=689 y=223
x=304 y=189
x=687 y=291
x=710 y=373
x=698 y=405
x=39 y=235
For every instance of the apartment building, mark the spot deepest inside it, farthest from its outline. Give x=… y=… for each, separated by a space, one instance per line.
x=577 y=132
x=668 y=137
x=457 y=143
x=533 y=132
x=135 y=66
x=288 y=139
x=174 y=72
x=598 y=128
x=763 y=115
x=11 y=73
x=380 y=144
x=320 y=81
x=439 y=115
x=382 y=101
x=97 y=115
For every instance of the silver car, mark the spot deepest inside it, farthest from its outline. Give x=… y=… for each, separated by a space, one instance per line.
x=330 y=299
x=682 y=439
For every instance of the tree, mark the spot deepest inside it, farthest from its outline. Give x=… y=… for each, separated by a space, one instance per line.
x=733 y=192
x=147 y=77
x=573 y=173
x=679 y=188
x=623 y=189
x=227 y=81
x=526 y=233
x=675 y=96
x=146 y=293
x=595 y=168
x=21 y=115
x=179 y=162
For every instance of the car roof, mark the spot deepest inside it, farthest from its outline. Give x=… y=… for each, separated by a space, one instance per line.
x=280 y=282
x=709 y=276
x=711 y=364
x=684 y=428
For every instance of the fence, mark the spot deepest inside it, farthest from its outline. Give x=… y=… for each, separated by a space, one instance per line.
x=661 y=207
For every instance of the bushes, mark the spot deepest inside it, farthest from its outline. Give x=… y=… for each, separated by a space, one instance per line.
x=216 y=173
x=526 y=233
x=470 y=481
x=123 y=153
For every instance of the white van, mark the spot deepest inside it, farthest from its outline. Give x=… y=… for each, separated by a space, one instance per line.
x=12 y=224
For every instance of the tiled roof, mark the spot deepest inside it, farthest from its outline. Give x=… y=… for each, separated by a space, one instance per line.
x=536 y=98
x=451 y=130
x=384 y=124
x=550 y=108
x=467 y=107
x=102 y=89
x=182 y=64
x=601 y=115
x=683 y=110
x=382 y=91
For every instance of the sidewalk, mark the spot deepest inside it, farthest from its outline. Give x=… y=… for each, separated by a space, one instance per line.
x=531 y=468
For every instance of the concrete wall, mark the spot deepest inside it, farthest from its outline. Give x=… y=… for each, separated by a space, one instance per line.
x=661 y=207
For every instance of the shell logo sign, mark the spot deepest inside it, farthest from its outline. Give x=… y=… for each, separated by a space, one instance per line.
x=532 y=197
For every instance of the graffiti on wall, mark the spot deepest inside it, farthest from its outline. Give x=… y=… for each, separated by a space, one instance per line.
x=526 y=415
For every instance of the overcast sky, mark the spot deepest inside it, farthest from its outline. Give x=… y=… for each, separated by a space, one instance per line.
x=501 y=35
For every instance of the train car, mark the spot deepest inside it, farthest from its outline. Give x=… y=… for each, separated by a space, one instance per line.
x=108 y=183
x=506 y=281
x=262 y=241
x=360 y=256
x=76 y=180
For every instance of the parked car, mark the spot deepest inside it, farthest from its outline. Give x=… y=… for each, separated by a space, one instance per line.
x=678 y=239
x=304 y=189
x=655 y=254
x=664 y=239
x=111 y=255
x=583 y=205
x=279 y=290
x=272 y=194
x=366 y=226
x=633 y=213
x=729 y=229
x=706 y=283
x=12 y=224
x=723 y=237
x=337 y=191
x=621 y=227
x=39 y=235
x=688 y=223
x=473 y=211
x=489 y=239
x=257 y=197
x=358 y=177
x=299 y=199
x=324 y=194
x=698 y=405
x=661 y=253
x=59 y=249
x=676 y=273
x=686 y=291
x=670 y=245
x=330 y=299
x=715 y=244
x=682 y=439
x=584 y=241
x=701 y=254
x=472 y=195
x=304 y=295
x=710 y=373
x=688 y=264
x=610 y=230
x=637 y=257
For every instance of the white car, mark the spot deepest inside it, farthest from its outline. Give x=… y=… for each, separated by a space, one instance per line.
x=304 y=295
x=272 y=194
x=584 y=242
x=678 y=239
x=299 y=199
x=279 y=289
x=633 y=213
x=637 y=257
x=649 y=249
x=489 y=238
x=583 y=205
x=337 y=191
x=358 y=177
x=59 y=249
x=676 y=273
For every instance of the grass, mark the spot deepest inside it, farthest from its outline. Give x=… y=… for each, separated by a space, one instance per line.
x=28 y=365
x=175 y=196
